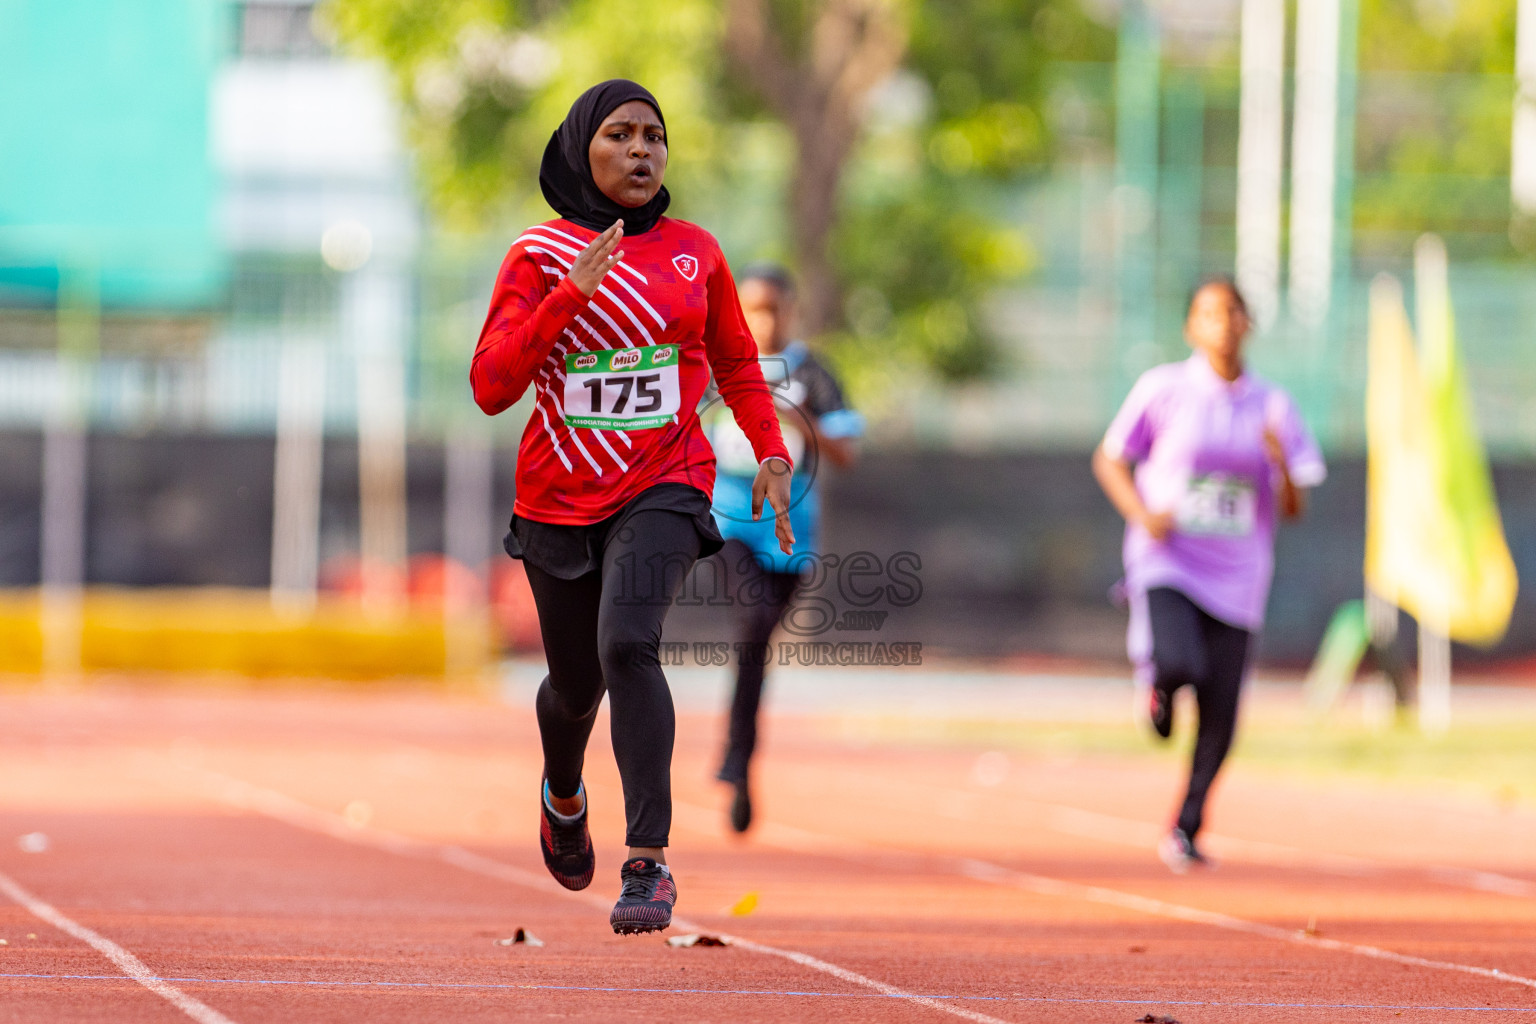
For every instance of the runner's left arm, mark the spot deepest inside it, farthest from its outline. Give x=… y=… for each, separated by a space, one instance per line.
x=1294 y=454
x=836 y=428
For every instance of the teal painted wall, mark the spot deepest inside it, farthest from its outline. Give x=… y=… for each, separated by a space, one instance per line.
x=105 y=172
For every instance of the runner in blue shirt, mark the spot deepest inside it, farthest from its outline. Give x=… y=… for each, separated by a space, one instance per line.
x=760 y=578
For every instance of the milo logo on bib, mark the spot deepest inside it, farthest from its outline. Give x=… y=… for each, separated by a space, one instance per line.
x=622 y=389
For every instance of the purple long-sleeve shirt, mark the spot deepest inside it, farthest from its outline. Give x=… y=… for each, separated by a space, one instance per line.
x=1198 y=444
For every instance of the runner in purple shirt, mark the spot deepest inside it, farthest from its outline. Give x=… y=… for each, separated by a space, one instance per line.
x=1201 y=461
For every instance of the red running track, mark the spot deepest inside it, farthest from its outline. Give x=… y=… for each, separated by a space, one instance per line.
x=343 y=857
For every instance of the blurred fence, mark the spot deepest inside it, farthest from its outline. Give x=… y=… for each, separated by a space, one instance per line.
x=180 y=471
x=1072 y=344
x=220 y=371
x=1072 y=339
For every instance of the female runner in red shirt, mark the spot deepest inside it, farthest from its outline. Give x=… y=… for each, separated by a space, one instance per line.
x=614 y=474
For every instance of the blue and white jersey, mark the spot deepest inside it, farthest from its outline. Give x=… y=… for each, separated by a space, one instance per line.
x=806 y=394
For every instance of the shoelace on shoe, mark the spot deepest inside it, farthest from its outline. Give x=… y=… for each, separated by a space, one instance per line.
x=638 y=887
x=567 y=840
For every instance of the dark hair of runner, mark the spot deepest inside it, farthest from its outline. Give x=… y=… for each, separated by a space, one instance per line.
x=775 y=274
x=1218 y=281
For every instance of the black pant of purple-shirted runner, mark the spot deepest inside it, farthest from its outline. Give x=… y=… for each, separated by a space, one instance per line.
x=1190 y=647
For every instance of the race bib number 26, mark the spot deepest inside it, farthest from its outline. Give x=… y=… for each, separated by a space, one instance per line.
x=1218 y=505
x=622 y=389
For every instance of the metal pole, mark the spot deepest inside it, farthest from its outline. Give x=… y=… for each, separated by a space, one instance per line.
x=1381 y=614
x=1344 y=167
x=1260 y=149
x=63 y=540
x=468 y=528
x=375 y=317
x=468 y=499
x=1522 y=174
x=1137 y=83
x=1434 y=679
x=296 y=476
x=1432 y=311
x=1314 y=147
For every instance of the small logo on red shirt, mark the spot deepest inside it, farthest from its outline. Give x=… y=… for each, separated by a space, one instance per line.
x=686 y=265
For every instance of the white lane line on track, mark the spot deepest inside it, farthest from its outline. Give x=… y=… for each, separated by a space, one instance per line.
x=471 y=861
x=282 y=807
x=1110 y=828
x=129 y=964
x=1483 y=881
x=800 y=840
x=985 y=872
x=806 y=960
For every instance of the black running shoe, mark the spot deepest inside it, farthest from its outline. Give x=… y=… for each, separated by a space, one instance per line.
x=1160 y=711
x=741 y=807
x=1178 y=850
x=646 y=899
x=567 y=848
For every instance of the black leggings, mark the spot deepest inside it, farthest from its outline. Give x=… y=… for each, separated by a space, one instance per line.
x=758 y=600
x=1191 y=647
x=602 y=631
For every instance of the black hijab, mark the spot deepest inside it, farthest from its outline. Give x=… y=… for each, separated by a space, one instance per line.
x=565 y=176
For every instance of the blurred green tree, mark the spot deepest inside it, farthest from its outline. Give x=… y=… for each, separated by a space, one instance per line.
x=889 y=132
x=1436 y=106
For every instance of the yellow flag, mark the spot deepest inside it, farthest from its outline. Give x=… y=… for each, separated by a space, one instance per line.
x=1434 y=541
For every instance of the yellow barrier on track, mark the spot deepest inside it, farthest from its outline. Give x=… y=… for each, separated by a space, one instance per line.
x=21 y=631
x=237 y=632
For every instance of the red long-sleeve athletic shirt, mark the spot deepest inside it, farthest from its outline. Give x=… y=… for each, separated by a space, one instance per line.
x=673 y=298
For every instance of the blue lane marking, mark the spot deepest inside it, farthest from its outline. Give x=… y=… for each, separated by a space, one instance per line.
x=774 y=992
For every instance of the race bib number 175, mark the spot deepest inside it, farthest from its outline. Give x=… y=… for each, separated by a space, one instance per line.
x=622 y=389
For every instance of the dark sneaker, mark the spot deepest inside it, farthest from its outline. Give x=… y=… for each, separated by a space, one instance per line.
x=741 y=807
x=646 y=899
x=567 y=848
x=1160 y=711
x=1180 y=853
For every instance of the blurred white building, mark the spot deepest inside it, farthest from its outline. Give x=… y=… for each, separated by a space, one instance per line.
x=308 y=147
x=318 y=212
x=305 y=140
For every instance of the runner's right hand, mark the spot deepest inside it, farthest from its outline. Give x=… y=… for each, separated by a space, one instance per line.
x=593 y=263
x=1158 y=524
